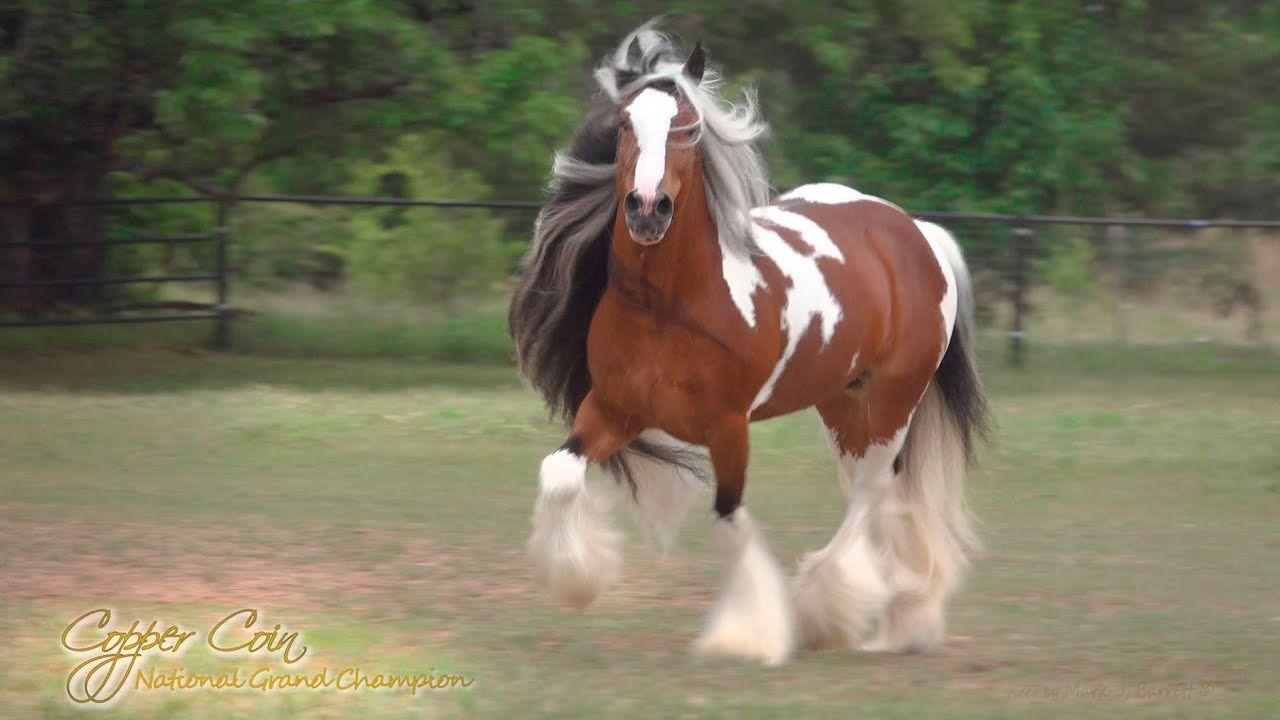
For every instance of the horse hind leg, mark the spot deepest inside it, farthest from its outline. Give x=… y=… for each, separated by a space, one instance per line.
x=841 y=592
x=882 y=582
x=926 y=532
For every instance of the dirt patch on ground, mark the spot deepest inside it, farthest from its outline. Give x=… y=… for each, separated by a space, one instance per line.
x=393 y=574
x=77 y=561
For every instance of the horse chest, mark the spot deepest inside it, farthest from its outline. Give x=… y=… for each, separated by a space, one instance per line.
x=670 y=372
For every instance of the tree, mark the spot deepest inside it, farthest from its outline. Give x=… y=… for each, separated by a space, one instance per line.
x=201 y=93
x=1137 y=106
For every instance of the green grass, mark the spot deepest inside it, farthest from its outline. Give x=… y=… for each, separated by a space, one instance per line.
x=1129 y=504
x=473 y=335
x=302 y=322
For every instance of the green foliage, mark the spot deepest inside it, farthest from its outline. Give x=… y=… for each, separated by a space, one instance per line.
x=1070 y=268
x=515 y=106
x=280 y=243
x=440 y=255
x=1025 y=106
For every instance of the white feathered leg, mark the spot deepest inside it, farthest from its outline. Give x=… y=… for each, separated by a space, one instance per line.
x=841 y=592
x=753 y=617
x=575 y=551
x=882 y=583
x=927 y=533
x=664 y=494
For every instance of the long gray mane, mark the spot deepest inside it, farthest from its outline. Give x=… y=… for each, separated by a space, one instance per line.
x=565 y=272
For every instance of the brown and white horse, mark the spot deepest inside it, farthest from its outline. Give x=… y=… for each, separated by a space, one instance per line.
x=666 y=303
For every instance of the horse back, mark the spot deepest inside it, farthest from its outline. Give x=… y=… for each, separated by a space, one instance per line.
x=883 y=287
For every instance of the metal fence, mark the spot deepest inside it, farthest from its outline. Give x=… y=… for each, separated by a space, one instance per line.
x=1004 y=252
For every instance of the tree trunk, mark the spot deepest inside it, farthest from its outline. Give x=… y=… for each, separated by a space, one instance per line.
x=44 y=179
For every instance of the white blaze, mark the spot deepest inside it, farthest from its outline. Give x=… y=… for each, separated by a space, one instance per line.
x=651 y=112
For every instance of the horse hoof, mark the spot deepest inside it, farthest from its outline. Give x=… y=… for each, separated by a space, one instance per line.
x=742 y=642
x=753 y=618
x=838 y=598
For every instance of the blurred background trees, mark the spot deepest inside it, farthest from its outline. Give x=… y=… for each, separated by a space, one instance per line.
x=1159 y=108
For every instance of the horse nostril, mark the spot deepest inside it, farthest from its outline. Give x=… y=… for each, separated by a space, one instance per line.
x=664 y=206
x=631 y=202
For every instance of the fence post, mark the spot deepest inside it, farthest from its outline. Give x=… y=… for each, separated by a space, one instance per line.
x=221 y=339
x=1018 y=298
x=1256 y=295
x=1119 y=281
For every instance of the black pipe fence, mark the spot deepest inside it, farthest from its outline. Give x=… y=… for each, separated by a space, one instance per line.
x=1004 y=246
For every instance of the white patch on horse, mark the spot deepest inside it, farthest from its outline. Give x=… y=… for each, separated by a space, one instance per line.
x=811 y=232
x=808 y=296
x=842 y=591
x=753 y=617
x=831 y=194
x=664 y=493
x=651 y=112
x=939 y=238
x=574 y=549
x=743 y=277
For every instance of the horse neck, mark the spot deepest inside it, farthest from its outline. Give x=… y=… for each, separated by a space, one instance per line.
x=676 y=269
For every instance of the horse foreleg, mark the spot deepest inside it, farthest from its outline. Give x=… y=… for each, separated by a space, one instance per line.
x=574 y=548
x=753 y=616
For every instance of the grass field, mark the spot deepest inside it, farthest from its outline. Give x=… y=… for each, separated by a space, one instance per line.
x=1130 y=505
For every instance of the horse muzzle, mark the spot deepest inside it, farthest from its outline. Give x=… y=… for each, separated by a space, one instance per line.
x=648 y=222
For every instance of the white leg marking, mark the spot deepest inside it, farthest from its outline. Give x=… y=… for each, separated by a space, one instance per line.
x=574 y=550
x=925 y=533
x=841 y=592
x=664 y=495
x=753 y=617
x=807 y=297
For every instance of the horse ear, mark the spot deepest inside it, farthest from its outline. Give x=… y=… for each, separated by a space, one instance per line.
x=635 y=53
x=696 y=65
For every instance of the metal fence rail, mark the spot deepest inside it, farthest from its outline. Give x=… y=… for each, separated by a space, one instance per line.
x=218 y=310
x=994 y=240
x=533 y=205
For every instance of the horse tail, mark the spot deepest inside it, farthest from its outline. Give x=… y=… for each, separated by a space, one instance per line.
x=939 y=447
x=957 y=375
